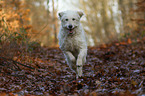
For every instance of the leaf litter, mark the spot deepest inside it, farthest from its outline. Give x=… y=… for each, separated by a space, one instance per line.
x=116 y=69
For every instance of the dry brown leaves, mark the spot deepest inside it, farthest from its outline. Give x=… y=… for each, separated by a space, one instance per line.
x=116 y=69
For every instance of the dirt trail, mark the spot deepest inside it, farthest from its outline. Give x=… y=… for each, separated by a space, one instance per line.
x=115 y=69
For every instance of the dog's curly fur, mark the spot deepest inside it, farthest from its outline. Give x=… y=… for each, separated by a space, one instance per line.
x=72 y=40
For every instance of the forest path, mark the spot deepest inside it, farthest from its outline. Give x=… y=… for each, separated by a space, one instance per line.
x=113 y=69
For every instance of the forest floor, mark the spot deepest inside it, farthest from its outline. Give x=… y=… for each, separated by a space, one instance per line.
x=116 y=69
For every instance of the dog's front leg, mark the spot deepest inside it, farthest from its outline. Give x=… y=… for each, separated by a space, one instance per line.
x=80 y=60
x=71 y=61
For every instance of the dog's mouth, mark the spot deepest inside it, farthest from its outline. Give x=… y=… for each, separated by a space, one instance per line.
x=70 y=31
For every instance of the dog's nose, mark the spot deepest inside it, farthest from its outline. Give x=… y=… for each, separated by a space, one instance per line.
x=70 y=26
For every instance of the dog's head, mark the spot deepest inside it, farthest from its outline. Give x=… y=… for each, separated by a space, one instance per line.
x=70 y=20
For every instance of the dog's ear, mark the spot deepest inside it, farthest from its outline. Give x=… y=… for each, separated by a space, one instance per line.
x=60 y=14
x=81 y=13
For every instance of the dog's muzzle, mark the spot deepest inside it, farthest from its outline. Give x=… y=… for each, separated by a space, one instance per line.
x=70 y=29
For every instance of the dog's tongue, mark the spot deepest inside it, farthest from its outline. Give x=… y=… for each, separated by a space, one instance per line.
x=70 y=31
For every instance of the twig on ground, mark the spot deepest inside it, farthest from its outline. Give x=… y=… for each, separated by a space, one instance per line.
x=15 y=62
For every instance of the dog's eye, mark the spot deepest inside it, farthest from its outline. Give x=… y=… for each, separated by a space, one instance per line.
x=73 y=19
x=66 y=19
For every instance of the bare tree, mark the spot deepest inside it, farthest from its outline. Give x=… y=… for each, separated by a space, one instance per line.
x=54 y=20
x=104 y=23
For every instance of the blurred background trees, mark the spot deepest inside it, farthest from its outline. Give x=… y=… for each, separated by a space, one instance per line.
x=108 y=20
x=36 y=20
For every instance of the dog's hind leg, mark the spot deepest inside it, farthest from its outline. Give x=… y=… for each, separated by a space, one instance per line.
x=71 y=61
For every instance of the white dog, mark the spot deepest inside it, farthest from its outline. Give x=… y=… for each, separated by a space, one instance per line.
x=72 y=40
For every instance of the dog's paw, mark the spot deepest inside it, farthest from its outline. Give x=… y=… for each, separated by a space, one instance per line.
x=79 y=77
x=79 y=71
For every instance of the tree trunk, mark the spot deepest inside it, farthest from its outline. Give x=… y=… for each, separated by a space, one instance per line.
x=54 y=23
